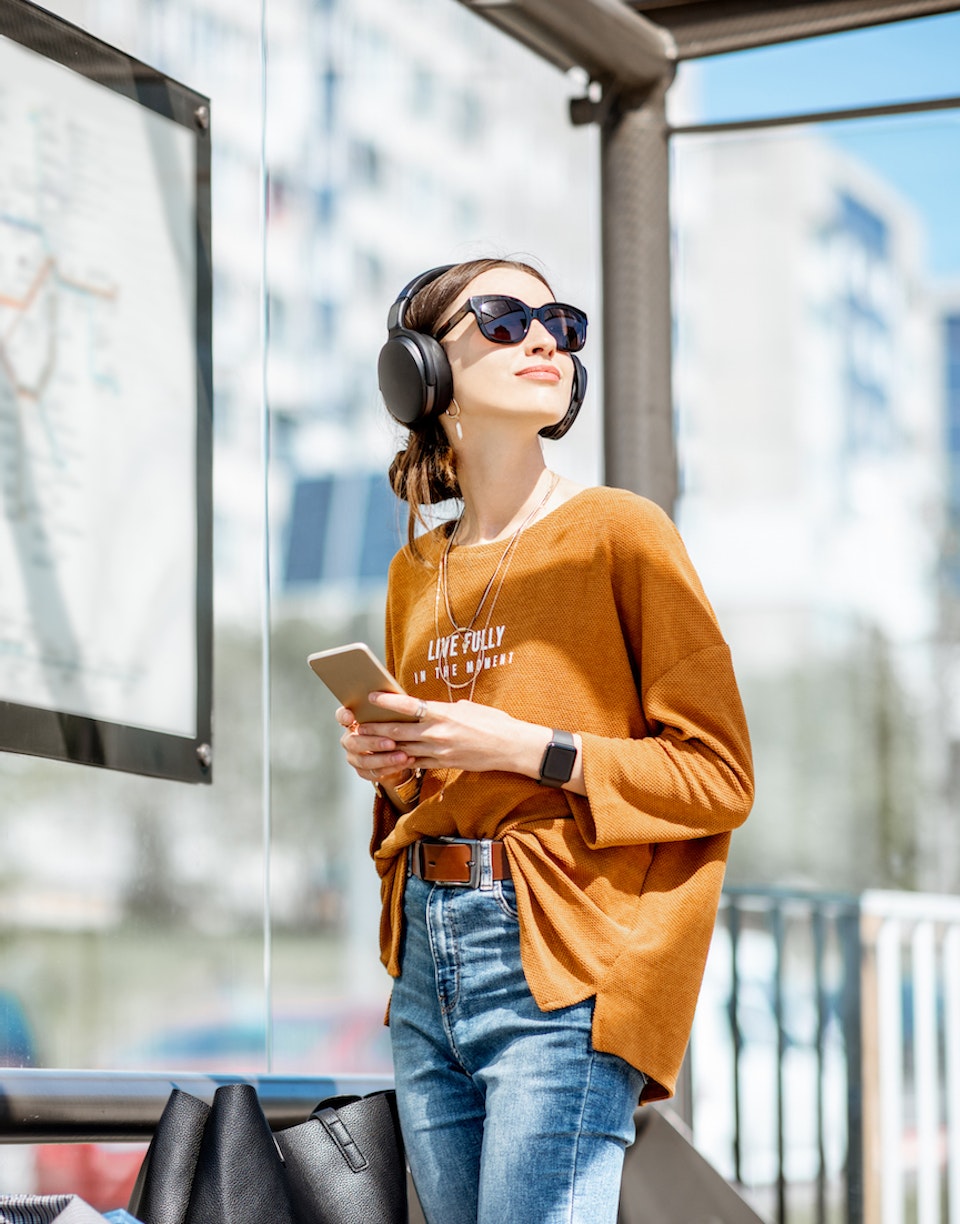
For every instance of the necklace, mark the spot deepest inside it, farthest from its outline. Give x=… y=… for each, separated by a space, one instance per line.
x=501 y=568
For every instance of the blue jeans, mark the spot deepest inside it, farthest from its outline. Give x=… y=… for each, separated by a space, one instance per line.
x=508 y=1113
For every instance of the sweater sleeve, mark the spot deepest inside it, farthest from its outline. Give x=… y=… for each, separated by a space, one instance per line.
x=385 y=815
x=690 y=775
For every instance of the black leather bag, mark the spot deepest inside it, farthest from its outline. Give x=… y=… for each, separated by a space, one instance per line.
x=212 y=1164
x=221 y=1164
x=345 y=1164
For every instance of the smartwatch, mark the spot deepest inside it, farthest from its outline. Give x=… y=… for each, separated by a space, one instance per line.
x=558 y=760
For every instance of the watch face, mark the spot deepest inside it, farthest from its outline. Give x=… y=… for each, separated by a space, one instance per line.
x=558 y=762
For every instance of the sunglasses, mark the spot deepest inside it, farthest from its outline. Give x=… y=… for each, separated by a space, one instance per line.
x=506 y=320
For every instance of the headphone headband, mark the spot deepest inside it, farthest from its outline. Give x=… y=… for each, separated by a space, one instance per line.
x=398 y=311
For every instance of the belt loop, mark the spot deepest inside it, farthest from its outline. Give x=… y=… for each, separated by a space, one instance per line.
x=485 y=847
x=414 y=861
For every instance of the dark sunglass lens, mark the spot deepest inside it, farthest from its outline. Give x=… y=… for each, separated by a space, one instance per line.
x=503 y=320
x=567 y=328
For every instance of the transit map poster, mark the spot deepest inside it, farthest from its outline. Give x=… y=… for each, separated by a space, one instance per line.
x=98 y=402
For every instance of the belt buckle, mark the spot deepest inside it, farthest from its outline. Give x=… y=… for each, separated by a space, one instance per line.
x=474 y=863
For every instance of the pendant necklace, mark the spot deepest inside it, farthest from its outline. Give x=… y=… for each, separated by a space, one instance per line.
x=499 y=572
x=443 y=588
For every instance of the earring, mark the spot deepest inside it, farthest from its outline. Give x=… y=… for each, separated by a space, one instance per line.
x=455 y=417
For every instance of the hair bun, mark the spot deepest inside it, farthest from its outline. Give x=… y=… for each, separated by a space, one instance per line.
x=425 y=471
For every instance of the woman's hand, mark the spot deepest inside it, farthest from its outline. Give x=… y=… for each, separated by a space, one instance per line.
x=375 y=758
x=458 y=735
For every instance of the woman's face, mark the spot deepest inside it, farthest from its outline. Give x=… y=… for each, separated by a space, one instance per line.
x=530 y=380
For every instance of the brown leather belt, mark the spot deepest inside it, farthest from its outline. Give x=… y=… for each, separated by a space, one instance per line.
x=457 y=862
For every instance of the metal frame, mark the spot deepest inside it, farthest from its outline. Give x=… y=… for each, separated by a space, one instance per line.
x=598 y=36
x=712 y=27
x=920 y=107
x=71 y=737
x=604 y=37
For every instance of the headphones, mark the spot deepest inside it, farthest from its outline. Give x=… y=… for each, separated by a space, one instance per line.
x=416 y=381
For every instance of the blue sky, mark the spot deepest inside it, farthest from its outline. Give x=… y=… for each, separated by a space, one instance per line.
x=903 y=61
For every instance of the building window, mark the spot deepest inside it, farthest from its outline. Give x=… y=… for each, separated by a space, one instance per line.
x=863 y=224
x=325 y=205
x=366 y=167
x=422 y=90
x=307 y=531
x=864 y=247
x=329 y=91
x=369 y=272
x=325 y=317
x=384 y=527
x=467 y=116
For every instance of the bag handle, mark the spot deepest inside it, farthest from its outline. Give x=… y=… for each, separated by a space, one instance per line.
x=335 y=1127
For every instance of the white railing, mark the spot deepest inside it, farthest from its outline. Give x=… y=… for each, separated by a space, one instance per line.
x=911 y=1057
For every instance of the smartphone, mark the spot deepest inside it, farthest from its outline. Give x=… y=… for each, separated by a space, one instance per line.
x=351 y=673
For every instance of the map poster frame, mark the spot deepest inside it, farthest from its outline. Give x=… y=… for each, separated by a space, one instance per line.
x=171 y=741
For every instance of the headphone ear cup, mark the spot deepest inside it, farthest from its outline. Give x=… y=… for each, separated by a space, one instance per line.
x=577 y=393
x=415 y=378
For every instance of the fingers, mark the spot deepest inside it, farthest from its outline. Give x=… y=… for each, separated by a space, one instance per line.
x=381 y=768
x=400 y=704
x=370 y=737
x=392 y=703
x=380 y=751
x=371 y=755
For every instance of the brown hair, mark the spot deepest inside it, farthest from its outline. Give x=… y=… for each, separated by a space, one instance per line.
x=425 y=471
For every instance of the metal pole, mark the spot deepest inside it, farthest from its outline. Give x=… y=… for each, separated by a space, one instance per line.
x=736 y=1037
x=266 y=637
x=52 y=1106
x=853 y=1021
x=819 y=952
x=779 y=938
x=639 y=445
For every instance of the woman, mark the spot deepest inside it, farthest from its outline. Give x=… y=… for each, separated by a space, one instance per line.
x=551 y=833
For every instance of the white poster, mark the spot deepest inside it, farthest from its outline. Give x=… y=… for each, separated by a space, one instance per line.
x=98 y=401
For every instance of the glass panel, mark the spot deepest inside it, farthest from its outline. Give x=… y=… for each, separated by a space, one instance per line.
x=122 y=918
x=817 y=276
x=443 y=146
x=131 y=929
x=132 y=910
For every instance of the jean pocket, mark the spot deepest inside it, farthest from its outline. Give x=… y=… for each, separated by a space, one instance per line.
x=506 y=897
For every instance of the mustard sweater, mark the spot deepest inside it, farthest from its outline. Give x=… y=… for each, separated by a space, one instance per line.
x=601 y=627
